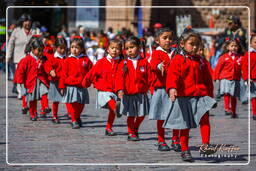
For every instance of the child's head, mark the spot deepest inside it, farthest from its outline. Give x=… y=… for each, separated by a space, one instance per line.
x=164 y=38
x=36 y=46
x=190 y=42
x=253 y=40
x=232 y=45
x=61 y=45
x=132 y=46
x=77 y=46
x=114 y=48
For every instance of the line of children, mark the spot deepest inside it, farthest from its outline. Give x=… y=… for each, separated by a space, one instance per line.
x=251 y=79
x=103 y=76
x=179 y=74
x=228 y=72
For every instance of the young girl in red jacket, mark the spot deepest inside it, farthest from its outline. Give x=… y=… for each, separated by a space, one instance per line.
x=74 y=69
x=132 y=86
x=32 y=76
x=187 y=84
x=228 y=72
x=251 y=79
x=103 y=76
x=161 y=58
x=54 y=69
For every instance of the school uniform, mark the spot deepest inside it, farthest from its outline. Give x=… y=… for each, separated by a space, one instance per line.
x=73 y=70
x=159 y=102
x=190 y=76
x=54 y=62
x=228 y=71
x=103 y=76
x=134 y=83
x=32 y=75
x=252 y=77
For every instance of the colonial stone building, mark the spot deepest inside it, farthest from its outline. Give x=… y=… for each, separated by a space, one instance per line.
x=120 y=17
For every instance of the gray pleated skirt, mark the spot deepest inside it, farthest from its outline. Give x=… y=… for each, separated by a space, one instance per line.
x=159 y=105
x=253 y=90
x=135 y=105
x=76 y=94
x=39 y=90
x=231 y=87
x=103 y=98
x=54 y=94
x=186 y=112
x=243 y=91
x=23 y=90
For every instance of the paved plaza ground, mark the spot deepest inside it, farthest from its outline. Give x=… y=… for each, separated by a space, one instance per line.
x=48 y=143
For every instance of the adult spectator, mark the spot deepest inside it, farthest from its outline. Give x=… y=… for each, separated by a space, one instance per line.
x=18 y=40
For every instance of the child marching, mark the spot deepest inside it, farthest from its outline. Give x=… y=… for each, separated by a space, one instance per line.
x=228 y=72
x=187 y=84
x=160 y=61
x=103 y=76
x=32 y=76
x=54 y=70
x=74 y=68
x=132 y=86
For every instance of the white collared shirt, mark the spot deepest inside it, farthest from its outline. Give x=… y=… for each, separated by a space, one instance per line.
x=57 y=55
x=109 y=58
x=79 y=56
x=251 y=49
x=134 y=61
x=34 y=56
x=169 y=54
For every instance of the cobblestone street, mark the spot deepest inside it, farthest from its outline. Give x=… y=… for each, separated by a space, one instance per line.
x=48 y=143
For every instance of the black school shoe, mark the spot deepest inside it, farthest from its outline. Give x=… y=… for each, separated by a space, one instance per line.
x=42 y=117
x=254 y=117
x=24 y=110
x=33 y=119
x=162 y=146
x=75 y=125
x=186 y=156
x=47 y=110
x=79 y=121
x=110 y=132
x=234 y=116
x=132 y=137
x=228 y=113
x=207 y=149
x=176 y=146
x=55 y=120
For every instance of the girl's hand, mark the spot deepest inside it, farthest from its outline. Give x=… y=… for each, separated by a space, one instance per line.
x=62 y=92
x=52 y=73
x=162 y=68
x=120 y=94
x=172 y=94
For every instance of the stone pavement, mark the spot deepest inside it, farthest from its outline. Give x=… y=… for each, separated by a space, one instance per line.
x=47 y=143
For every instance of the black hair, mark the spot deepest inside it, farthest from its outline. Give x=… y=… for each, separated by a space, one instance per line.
x=60 y=41
x=227 y=43
x=160 y=31
x=24 y=17
x=137 y=42
x=34 y=43
x=79 y=41
x=187 y=33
